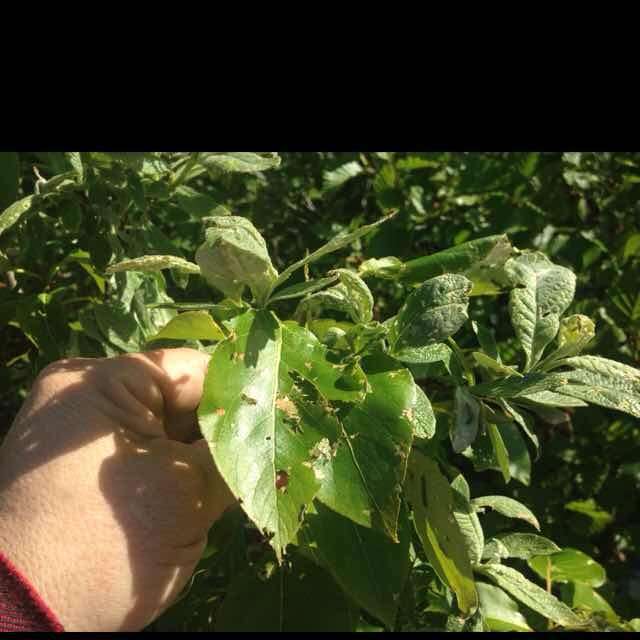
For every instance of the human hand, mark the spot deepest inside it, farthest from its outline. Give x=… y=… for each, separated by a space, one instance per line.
x=105 y=497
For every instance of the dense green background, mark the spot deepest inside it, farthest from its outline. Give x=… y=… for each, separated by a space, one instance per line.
x=581 y=209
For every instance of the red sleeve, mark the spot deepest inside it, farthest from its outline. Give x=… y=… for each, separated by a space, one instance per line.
x=21 y=608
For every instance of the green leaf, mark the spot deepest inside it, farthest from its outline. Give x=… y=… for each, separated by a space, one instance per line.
x=493 y=365
x=302 y=289
x=351 y=296
x=14 y=212
x=467 y=519
x=499 y=611
x=303 y=598
x=234 y=255
x=195 y=203
x=310 y=359
x=543 y=291
x=519 y=545
x=432 y=501
x=524 y=420
x=486 y=340
x=438 y=352
x=589 y=508
x=240 y=161
x=570 y=565
x=588 y=599
x=573 y=336
x=507 y=507
x=368 y=566
x=422 y=416
x=552 y=399
x=154 y=263
x=9 y=177
x=364 y=481
x=337 y=177
x=388 y=268
x=75 y=160
x=480 y=260
x=191 y=325
x=431 y=313
x=262 y=434
x=530 y=594
x=606 y=373
x=500 y=451
x=119 y=327
x=343 y=239
x=610 y=398
x=466 y=414
x=514 y=386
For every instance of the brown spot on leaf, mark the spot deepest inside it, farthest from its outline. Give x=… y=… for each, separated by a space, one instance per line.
x=219 y=411
x=282 y=480
x=288 y=407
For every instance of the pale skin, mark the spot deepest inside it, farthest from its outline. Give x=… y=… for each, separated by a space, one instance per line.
x=107 y=491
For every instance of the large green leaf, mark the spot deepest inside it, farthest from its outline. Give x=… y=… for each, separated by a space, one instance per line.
x=530 y=594
x=302 y=598
x=582 y=596
x=234 y=255
x=368 y=566
x=268 y=443
x=432 y=500
x=570 y=565
x=507 y=507
x=364 y=481
x=499 y=611
x=431 y=313
x=605 y=397
x=191 y=325
x=542 y=292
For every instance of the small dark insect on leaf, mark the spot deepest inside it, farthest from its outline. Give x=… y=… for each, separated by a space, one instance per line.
x=248 y=399
x=282 y=480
